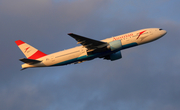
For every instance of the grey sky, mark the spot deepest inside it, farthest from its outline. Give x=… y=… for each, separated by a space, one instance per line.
x=146 y=78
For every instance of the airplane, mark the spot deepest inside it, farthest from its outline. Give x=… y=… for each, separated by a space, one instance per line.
x=109 y=49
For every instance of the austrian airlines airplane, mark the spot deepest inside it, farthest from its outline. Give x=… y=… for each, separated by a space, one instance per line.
x=109 y=49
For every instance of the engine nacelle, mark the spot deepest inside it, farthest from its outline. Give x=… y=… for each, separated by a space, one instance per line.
x=115 y=45
x=115 y=56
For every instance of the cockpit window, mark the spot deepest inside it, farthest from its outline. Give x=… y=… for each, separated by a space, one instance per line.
x=160 y=29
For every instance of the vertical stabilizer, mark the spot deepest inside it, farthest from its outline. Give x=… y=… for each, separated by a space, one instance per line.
x=29 y=51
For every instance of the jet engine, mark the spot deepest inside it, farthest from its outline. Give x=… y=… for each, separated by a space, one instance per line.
x=115 y=45
x=114 y=56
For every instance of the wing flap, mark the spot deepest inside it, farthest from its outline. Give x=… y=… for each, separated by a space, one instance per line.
x=29 y=61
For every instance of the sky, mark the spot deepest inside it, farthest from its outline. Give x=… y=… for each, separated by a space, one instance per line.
x=146 y=78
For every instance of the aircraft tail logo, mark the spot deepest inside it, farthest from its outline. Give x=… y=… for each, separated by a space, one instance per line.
x=29 y=51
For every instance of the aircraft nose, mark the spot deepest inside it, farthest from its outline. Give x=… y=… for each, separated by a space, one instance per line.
x=163 y=32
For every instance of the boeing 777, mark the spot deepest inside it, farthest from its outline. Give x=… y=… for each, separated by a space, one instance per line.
x=109 y=49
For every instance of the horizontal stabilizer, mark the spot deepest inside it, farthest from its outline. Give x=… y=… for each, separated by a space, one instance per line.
x=29 y=61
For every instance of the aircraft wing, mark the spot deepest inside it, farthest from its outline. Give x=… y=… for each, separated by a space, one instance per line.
x=90 y=44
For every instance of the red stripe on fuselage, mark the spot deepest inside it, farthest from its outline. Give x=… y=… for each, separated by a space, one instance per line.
x=19 y=42
x=37 y=55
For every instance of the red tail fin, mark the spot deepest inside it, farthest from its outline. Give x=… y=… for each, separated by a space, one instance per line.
x=29 y=51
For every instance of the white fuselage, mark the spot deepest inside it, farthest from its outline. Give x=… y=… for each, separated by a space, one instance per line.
x=79 y=54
